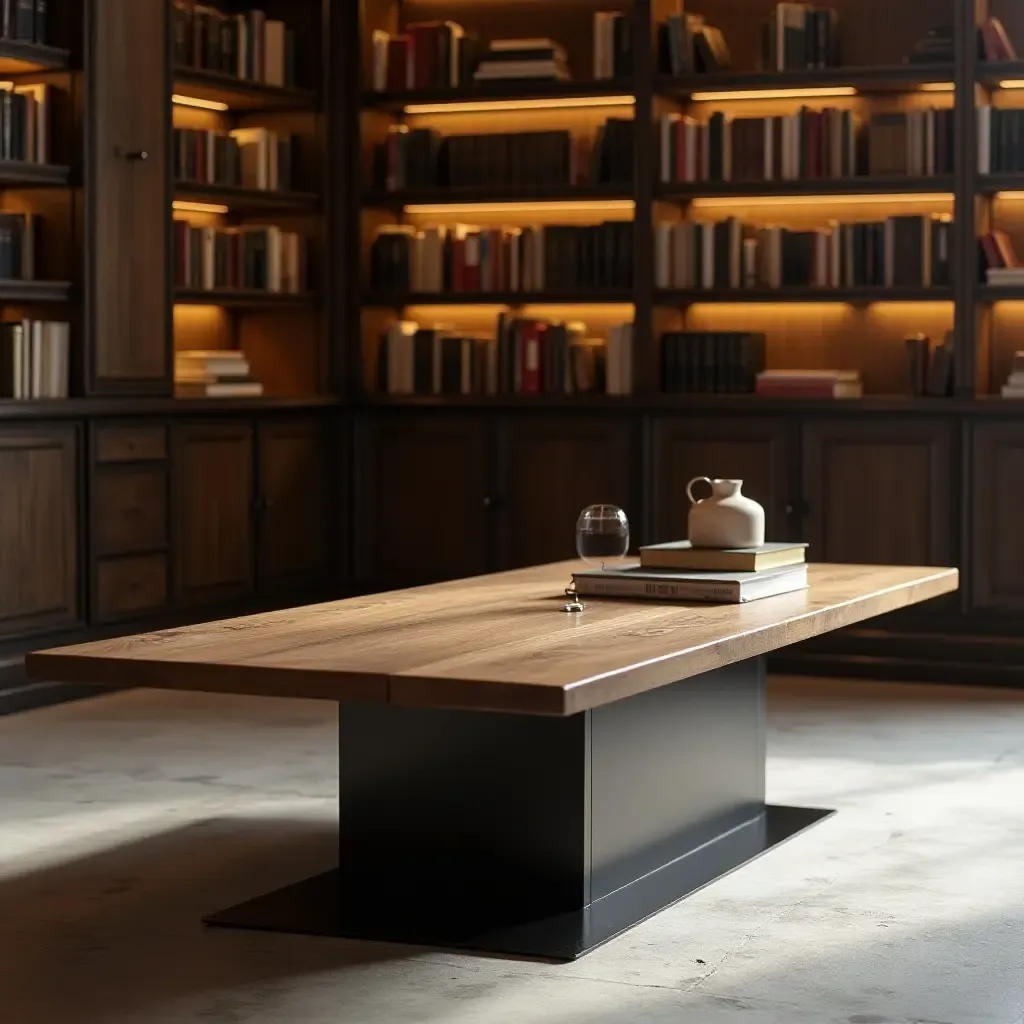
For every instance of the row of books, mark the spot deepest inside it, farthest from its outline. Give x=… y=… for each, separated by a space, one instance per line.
x=34 y=359
x=1000 y=139
x=260 y=258
x=687 y=45
x=24 y=20
x=424 y=158
x=18 y=246
x=528 y=357
x=806 y=145
x=25 y=122
x=937 y=46
x=613 y=44
x=249 y=157
x=930 y=367
x=459 y=259
x=247 y=45
x=899 y=252
x=711 y=362
x=214 y=373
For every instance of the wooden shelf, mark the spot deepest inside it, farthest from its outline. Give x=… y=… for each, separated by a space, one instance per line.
x=238 y=198
x=892 y=78
x=34 y=291
x=991 y=73
x=605 y=296
x=822 y=186
x=1000 y=293
x=865 y=295
x=60 y=408
x=240 y=93
x=242 y=299
x=19 y=57
x=23 y=172
x=491 y=91
x=489 y=194
x=1007 y=181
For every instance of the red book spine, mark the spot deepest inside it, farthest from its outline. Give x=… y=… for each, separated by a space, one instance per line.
x=459 y=265
x=471 y=266
x=398 y=62
x=679 y=141
x=531 y=359
x=790 y=389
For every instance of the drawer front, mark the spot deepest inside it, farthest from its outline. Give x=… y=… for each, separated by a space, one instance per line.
x=130 y=509
x=130 y=444
x=126 y=587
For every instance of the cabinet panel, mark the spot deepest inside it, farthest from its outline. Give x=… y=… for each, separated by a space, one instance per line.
x=423 y=499
x=997 y=501
x=554 y=466
x=754 y=450
x=213 y=509
x=129 y=223
x=128 y=587
x=879 y=493
x=294 y=475
x=129 y=509
x=38 y=529
x=130 y=444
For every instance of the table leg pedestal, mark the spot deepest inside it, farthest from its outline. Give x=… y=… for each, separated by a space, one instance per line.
x=538 y=836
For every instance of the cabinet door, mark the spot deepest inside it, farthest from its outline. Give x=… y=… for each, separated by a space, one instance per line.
x=879 y=493
x=294 y=477
x=423 y=499
x=38 y=529
x=213 y=496
x=129 y=201
x=755 y=450
x=553 y=467
x=997 y=500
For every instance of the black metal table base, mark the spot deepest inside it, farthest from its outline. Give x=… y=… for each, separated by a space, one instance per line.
x=538 y=836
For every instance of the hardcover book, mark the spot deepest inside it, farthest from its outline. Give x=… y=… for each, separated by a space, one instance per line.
x=667 y=585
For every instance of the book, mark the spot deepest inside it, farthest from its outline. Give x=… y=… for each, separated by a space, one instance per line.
x=221 y=389
x=704 y=362
x=667 y=585
x=681 y=555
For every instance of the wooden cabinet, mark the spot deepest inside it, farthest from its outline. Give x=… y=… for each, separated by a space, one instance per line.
x=996 y=577
x=128 y=202
x=552 y=468
x=423 y=497
x=294 y=546
x=879 y=493
x=39 y=529
x=213 y=511
x=755 y=450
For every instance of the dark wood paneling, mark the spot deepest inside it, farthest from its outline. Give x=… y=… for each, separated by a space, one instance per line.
x=423 y=494
x=130 y=444
x=38 y=529
x=293 y=501
x=213 y=511
x=129 y=213
x=129 y=587
x=129 y=509
x=879 y=493
x=754 y=450
x=553 y=468
x=997 y=505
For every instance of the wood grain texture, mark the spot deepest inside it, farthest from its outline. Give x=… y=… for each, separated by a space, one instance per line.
x=490 y=643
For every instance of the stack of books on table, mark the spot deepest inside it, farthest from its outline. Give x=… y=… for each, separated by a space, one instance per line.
x=809 y=384
x=676 y=571
x=1014 y=386
x=214 y=373
x=518 y=59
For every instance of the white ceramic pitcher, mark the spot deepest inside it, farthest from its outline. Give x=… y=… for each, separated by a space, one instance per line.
x=726 y=519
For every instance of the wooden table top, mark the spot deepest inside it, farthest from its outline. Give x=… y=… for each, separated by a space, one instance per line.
x=492 y=642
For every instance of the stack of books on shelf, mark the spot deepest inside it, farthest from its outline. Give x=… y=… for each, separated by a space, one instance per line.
x=900 y=252
x=213 y=373
x=245 y=45
x=806 y=145
x=688 y=45
x=24 y=20
x=934 y=47
x=423 y=158
x=254 y=258
x=1014 y=386
x=34 y=359
x=677 y=571
x=809 y=384
x=254 y=158
x=999 y=260
x=506 y=60
x=526 y=357
x=25 y=122
x=1000 y=139
x=800 y=36
x=426 y=55
x=711 y=362
x=465 y=259
x=17 y=246
x=930 y=368
x=613 y=44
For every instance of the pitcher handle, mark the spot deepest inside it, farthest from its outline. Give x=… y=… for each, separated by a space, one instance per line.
x=689 y=488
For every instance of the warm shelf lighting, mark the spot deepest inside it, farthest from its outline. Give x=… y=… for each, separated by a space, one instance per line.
x=1009 y=195
x=184 y=206
x=937 y=87
x=195 y=101
x=817 y=200
x=1012 y=83
x=497 y=106
x=774 y=94
x=559 y=206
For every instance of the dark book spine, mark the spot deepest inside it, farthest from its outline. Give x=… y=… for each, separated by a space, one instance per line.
x=40 y=31
x=24 y=20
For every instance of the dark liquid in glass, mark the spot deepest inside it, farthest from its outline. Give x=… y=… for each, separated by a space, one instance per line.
x=601 y=545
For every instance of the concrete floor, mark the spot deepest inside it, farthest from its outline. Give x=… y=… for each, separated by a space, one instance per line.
x=123 y=819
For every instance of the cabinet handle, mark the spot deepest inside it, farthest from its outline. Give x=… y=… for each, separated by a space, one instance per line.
x=488 y=502
x=138 y=154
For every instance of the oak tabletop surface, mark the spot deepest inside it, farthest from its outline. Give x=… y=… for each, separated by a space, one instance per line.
x=496 y=642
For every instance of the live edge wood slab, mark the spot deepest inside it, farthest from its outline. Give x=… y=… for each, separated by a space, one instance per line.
x=497 y=643
x=623 y=770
